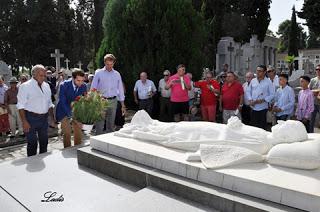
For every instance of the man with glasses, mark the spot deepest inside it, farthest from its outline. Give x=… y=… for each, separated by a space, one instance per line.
x=179 y=85
x=165 y=106
x=23 y=78
x=315 y=88
x=260 y=94
x=273 y=77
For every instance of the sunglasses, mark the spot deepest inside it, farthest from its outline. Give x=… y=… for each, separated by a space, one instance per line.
x=317 y=69
x=269 y=71
x=166 y=75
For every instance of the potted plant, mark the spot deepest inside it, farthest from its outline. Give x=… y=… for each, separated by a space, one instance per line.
x=89 y=109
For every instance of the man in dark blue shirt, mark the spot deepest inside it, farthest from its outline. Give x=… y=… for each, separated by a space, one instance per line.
x=69 y=91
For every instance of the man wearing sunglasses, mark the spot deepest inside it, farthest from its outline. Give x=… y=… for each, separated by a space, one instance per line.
x=165 y=105
x=315 y=88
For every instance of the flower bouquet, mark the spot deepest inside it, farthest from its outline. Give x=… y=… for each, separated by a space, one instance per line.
x=89 y=109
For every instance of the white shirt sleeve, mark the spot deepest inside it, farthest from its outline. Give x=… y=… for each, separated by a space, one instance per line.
x=154 y=89
x=136 y=86
x=22 y=97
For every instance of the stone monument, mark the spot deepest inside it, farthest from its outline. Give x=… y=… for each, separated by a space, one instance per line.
x=246 y=57
x=57 y=55
x=5 y=71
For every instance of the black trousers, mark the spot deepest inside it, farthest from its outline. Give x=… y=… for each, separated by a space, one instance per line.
x=246 y=114
x=259 y=118
x=147 y=105
x=38 y=132
x=283 y=117
x=165 y=110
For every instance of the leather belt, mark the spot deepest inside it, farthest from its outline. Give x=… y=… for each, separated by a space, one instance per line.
x=109 y=98
x=37 y=114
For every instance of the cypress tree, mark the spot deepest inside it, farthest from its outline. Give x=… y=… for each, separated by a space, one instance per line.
x=293 y=35
x=153 y=36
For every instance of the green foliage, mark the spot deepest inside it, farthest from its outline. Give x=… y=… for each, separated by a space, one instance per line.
x=290 y=59
x=153 y=36
x=313 y=40
x=31 y=29
x=89 y=108
x=284 y=32
x=293 y=35
x=310 y=12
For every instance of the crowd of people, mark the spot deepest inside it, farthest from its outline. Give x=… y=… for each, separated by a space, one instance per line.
x=30 y=106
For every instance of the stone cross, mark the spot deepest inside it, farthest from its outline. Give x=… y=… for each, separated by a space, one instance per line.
x=80 y=64
x=57 y=56
x=248 y=60
x=67 y=61
x=230 y=49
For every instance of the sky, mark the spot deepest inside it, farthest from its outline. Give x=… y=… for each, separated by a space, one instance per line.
x=281 y=10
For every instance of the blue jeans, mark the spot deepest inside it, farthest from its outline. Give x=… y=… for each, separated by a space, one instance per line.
x=38 y=131
x=313 y=118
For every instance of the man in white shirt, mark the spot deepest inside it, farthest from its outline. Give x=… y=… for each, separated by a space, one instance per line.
x=274 y=78
x=165 y=105
x=143 y=92
x=246 y=109
x=35 y=105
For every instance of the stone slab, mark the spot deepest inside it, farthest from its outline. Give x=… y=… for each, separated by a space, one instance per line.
x=9 y=203
x=152 y=199
x=83 y=189
x=143 y=176
x=295 y=188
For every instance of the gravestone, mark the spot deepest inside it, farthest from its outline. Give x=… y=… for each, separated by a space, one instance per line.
x=57 y=55
x=67 y=61
x=5 y=71
x=245 y=57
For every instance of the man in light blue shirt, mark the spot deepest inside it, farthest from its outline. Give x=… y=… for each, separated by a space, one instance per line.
x=284 y=99
x=260 y=93
x=143 y=92
x=109 y=83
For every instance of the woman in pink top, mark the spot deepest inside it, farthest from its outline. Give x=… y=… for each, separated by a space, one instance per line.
x=179 y=84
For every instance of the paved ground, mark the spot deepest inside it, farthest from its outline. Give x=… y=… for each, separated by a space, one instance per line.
x=19 y=149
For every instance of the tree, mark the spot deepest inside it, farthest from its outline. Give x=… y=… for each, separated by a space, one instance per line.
x=94 y=11
x=290 y=60
x=284 y=32
x=65 y=28
x=153 y=36
x=310 y=12
x=6 y=52
x=293 y=40
x=313 y=40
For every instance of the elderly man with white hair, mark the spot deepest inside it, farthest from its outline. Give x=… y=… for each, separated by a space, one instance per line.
x=246 y=109
x=35 y=105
